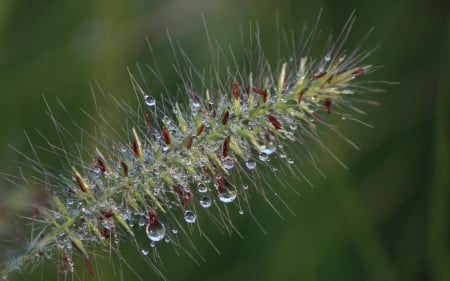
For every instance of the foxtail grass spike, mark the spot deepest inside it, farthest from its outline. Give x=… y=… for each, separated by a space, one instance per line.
x=199 y=158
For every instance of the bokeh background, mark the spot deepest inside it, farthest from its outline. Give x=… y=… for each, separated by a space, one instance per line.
x=386 y=218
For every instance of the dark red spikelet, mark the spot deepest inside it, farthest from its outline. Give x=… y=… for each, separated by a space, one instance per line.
x=189 y=141
x=220 y=183
x=147 y=122
x=196 y=98
x=136 y=150
x=100 y=165
x=319 y=75
x=328 y=105
x=262 y=92
x=124 y=168
x=226 y=146
x=200 y=129
x=236 y=90
x=166 y=136
x=226 y=117
x=360 y=71
x=300 y=95
x=274 y=122
x=89 y=267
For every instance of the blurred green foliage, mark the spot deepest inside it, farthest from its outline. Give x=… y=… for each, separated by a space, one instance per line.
x=386 y=218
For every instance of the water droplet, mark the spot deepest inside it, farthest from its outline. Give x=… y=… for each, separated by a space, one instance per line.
x=327 y=58
x=245 y=186
x=228 y=162
x=205 y=202
x=347 y=92
x=268 y=148
x=155 y=231
x=241 y=212
x=149 y=100
x=152 y=244
x=195 y=105
x=141 y=222
x=167 y=240
x=251 y=164
x=290 y=161
x=190 y=216
x=174 y=230
x=202 y=188
x=228 y=195
x=263 y=157
x=293 y=127
x=144 y=252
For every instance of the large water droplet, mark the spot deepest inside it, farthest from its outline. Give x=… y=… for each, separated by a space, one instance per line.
x=202 y=188
x=268 y=148
x=251 y=164
x=149 y=100
x=190 y=216
x=155 y=231
x=228 y=162
x=205 y=202
x=228 y=195
x=263 y=157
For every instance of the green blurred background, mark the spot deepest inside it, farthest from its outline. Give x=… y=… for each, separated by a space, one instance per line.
x=386 y=218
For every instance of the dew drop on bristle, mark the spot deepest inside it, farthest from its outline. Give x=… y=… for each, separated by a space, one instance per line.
x=268 y=148
x=227 y=196
x=174 y=230
x=149 y=100
x=190 y=216
x=327 y=58
x=202 y=188
x=205 y=202
x=228 y=162
x=263 y=157
x=250 y=164
x=155 y=231
x=144 y=252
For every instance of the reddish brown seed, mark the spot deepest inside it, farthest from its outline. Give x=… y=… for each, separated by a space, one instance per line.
x=100 y=165
x=220 y=180
x=328 y=80
x=147 y=121
x=89 y=266
x=236 y=91
x=226 y=117
x=153 y=221
x=226 y=146
x=262 y=92
x=136 y=148
x=328 y=105
x=200 y=129
x=274 y=122
x=166 y=136
x=358 y=72
x=189 y=142
x=300 y=95
x=106 y=233
x=107 y=214
x=319 y=75
x=124 y=168
x=81 y=183
x=196 y=98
